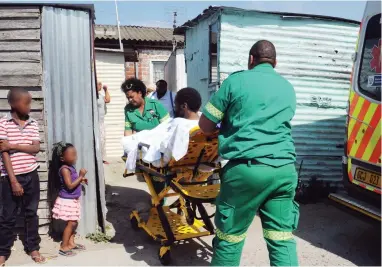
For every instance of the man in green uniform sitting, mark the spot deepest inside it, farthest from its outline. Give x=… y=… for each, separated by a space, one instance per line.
x=255 y=107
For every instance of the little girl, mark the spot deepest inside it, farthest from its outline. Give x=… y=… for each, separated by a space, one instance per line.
x=65 y=187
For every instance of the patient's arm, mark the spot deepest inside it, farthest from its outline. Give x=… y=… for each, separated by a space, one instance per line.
x=206 y=125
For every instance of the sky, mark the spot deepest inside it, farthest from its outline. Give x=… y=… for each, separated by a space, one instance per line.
x=160 y=13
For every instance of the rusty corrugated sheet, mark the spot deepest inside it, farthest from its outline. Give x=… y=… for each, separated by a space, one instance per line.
x=137 y=33
x=315 y=56
x=70 y=99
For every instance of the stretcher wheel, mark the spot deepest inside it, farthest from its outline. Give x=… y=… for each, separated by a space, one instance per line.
x=134 y=224
x=166 y=258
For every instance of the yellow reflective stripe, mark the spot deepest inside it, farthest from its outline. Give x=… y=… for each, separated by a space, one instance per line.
x=164 y=118
x=217 y=114
x=277 y=235
x=230 y=238
x=127 y=124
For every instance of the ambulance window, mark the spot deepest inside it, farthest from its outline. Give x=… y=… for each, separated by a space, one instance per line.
x=369 y=80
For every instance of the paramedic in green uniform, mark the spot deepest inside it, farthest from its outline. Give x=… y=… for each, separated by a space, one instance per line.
x=142 y=113
x=255 y=107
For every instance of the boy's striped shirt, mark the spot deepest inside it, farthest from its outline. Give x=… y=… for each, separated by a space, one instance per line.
x=11 y=131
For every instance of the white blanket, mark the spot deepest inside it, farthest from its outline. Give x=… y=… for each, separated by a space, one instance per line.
x=170 y=138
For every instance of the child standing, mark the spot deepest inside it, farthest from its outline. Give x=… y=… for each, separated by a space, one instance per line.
x=65 y=183
x=19 y=181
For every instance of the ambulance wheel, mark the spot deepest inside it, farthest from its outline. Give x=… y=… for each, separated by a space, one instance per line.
x=165 y=260
x=134 y=224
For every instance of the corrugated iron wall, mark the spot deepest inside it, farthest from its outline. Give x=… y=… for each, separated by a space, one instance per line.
x=70 y=96
x=197 y=57
x=315 y=56
x=111 y=71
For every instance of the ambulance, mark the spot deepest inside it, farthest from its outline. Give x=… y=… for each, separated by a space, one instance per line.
x=362 y=156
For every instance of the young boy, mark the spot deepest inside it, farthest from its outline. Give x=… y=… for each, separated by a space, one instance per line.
x=19 y=181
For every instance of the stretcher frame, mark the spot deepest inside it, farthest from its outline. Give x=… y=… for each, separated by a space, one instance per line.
x=192 y=189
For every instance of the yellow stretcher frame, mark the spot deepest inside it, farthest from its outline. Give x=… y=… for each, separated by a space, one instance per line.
x=190 y=186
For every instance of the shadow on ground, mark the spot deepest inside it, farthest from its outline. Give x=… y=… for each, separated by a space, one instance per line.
x=122 y=200
x=344 y=234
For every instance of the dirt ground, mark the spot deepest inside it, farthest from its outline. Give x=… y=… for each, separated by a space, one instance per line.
x=326 y=236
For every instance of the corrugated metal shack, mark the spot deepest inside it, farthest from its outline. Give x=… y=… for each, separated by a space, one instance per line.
x=175 y=70
x=48 y=49
x=313 y=53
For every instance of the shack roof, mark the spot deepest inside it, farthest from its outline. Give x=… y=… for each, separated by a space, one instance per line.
x=87 y=7
x=137 y=33
x=214 y=9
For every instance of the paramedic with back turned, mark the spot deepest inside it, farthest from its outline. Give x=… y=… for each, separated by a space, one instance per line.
x=255 y=108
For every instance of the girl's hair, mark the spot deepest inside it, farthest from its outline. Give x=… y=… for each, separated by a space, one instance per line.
x=54 y=183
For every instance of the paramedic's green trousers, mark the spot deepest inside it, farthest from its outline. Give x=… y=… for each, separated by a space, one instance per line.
x=246 y=189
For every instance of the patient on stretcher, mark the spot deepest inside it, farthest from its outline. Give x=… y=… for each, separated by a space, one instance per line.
x=169 y=139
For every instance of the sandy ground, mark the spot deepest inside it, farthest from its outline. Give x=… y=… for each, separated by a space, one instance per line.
x=326 y=236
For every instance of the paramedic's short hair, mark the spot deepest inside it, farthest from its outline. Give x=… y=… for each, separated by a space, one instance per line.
x=15 y=93
x=190 y=96
x=263 y=50
x=135 y=85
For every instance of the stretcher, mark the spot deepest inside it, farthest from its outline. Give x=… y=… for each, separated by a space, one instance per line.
x=192 y=188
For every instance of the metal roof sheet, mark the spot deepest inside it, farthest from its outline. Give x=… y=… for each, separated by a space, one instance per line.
x=136 y=33
x=213 y=9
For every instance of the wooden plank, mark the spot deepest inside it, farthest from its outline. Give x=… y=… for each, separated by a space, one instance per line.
x=43 y=176
x=43 y=213
x=42 y=156
x=43 y=229
x=35 y=94
x=36 y=104
x=19 y=13
x=7 y=24
x=20 y=68
x=43 y=204
x=21 y=80
x=20 y=35
x=12 y=56
x=43 y=195
x=21 y=46
x=43 y=185
x=37 y=115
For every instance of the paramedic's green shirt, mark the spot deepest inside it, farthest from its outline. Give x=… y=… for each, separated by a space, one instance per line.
x=153 y=114
x=255 y=107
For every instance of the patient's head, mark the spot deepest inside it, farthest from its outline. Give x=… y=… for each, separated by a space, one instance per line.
x=187 y=103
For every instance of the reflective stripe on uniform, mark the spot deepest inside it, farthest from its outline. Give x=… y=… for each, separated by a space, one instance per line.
x=127 y=124
x=230 y=238
x=165 y=118
x=277 y=235
x=214 y=111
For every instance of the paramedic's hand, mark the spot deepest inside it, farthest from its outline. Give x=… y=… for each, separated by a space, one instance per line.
x=83 y=172
x=4 y=146
x=17 y=189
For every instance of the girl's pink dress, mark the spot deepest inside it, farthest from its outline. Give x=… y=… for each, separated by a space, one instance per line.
x=68 y=206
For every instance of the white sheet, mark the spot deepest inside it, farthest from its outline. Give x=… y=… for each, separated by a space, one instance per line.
x=170 y=138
